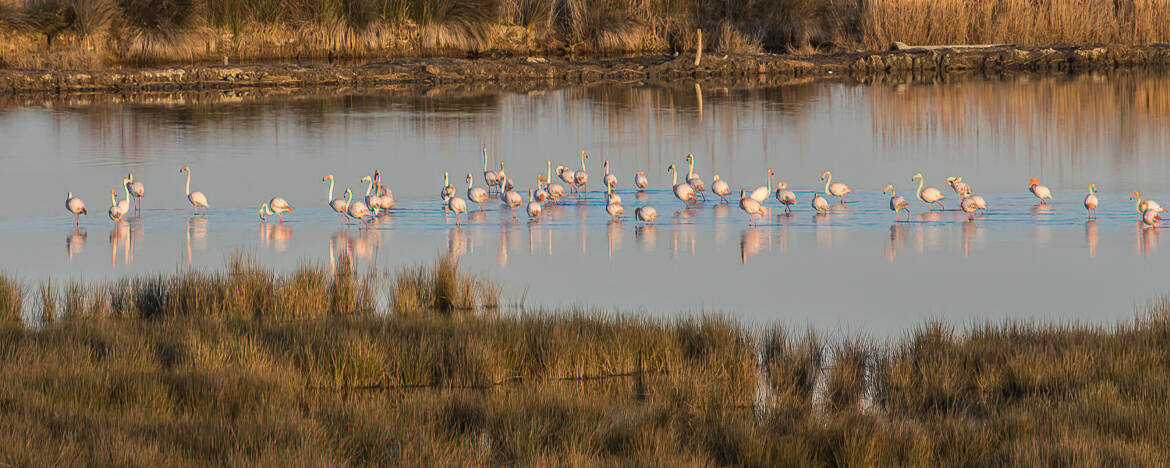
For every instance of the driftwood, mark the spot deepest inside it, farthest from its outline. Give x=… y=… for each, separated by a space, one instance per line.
x=903 y=47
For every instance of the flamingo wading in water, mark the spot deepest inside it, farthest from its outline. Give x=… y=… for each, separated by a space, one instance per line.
x=682 y=191
x=1091 y=201
x=117 y=208
x=897 y=203
x=279 y=207
x=645 y=214
x=928 y=195
x=197 y=199
x=761 y=193
x=555 y=190
x=640 y=181
x=476 y=194
x=581 y=178
x=491 y=178
x=1143 y=204
x=752 y=207
x=785 y=197
x=338 y=206
x=720 y=187
x=609 y=179
x=1039 y=191
x=693 y=178
x=137 y=189
x=76 y=207
x=838 y=189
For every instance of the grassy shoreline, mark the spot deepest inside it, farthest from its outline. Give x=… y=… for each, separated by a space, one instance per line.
x=91 y=34
x=238 y=367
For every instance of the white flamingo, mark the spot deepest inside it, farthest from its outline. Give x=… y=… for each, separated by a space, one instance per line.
x=961 y=188
x=928 y=195
x=609 y=179
x=124 y=203
x=838 y=189
x=693 y=178
x=615 y=210
x=897 y=203
x=1151 y=217
x=761 y=193
x=476 y=194
x=1038 y=190
x=542 y=194
x=338 y=206
x=357 y=209
x=568 y=176
x=785 y=197
x=505 y=181
x=197 y=199
x=611 y=196
x=720 y=187
x=448 y=189
x=682 y=191
x=752 y=207
x=456 y=205
x=819 y=203
x=972 y=203
x=512 y=199
x=279 y=207
x=491 y=178
x=555 y=190
x=137 y=189
x=534 y=207
x=117 y=208
x=373 y=201
x=76 y=207
x=581 y=178
x=386 y=195
x=645 y=214
x=1091 y=201
x=1143 y=204
x=640 y=181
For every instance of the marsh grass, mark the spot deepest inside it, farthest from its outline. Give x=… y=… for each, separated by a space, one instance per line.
x=92 y=32
x=11 y=300
x=179 y=369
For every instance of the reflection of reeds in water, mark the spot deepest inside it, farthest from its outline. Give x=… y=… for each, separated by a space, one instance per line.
x=1063 y=119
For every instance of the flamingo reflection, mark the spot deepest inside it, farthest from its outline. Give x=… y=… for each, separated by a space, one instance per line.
x=613 y=235
x=75 y=241
x=969 y=230
x=751 y=242
x=119 y=234
x=275 y=235
x=457 y=242
x=196 y=229
x=898 y=240
x=1091 y=237
x=646 y=236
x=1148 y=239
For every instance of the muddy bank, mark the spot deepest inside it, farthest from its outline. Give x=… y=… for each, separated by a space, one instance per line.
x=553 y=72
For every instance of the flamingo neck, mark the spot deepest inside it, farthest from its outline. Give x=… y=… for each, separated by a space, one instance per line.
x=1139 y=203
x=330 y=199
x=919 y=193
x=126 y=187
x=828 y=180
x=485 y=159
x=348 y=197
x=674 y=177
x=188 y=182
x=582 y=162
x=548 y=174
x=769 y=179
x=369 y=186
x=113 y=198
x=690 y=168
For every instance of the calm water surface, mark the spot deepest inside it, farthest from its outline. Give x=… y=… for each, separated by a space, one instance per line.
x=854 y=269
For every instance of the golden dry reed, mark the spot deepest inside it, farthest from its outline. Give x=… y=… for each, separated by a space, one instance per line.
x=91 y=33
x=235 y=368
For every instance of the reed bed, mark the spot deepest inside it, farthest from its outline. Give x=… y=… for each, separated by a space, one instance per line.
x=90 y=33
x=216 y=368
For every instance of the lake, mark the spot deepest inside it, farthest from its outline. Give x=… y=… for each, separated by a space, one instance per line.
x=854 y=269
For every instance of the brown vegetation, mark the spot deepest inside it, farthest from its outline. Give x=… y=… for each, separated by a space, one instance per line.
x=92 y=33
x=237 y=367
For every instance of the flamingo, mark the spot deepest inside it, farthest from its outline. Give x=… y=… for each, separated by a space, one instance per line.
x=929 y=195
x=751 y=207
x=491 y=178
x=512 y=199
x=476 y=194
x=338 y=206
x=197 y=199
x=1143 y=205
x=533 y=207
x=1038 y=190
x=785 y=196
x=645 y=214
x=137 y=189
x=1151 y=217
x=615 y=210
x=448 y=189
x=279 y=206
x=357 y=209
x=1091 y=201
x=568 y=176
x=819 y=203
x=761 y=193
x=609 y=179
x=76 y=207
x=373 y=201
x=640 y=181
x=581 y=178
x=384 y=193
x=610 y=196
x=264 y=210
x=541 y=194
x=720 y=187
x=555 y=190
x=684 y=191
x=961 y=188
x=969 y=204
x=897 y=203
x=117 y=208
x=505 y=181
x=693 y=177
x=838 y=190
x=456 y=205
x=124 y=203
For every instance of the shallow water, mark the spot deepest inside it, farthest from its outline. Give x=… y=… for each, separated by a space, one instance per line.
x=854 y=269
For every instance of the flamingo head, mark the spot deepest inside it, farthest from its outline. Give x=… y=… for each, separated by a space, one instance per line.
x=889 y=188
x=641 y=172
x=501 y=166
x=185 y=169
x=365 y=179
x=952 y=180
x=1134 y=195
x=690 y=157
x=782 y=185
x=1033 y=182
x=1093 y=187
x=716 y=177
x=327 y=177
x=377 y=174
x=742 y=193
x=671 y=168
x=825 y=174
x=917 y=175
x=130 y=175
x=68 y=195
x=469 y=177
x=584 y=154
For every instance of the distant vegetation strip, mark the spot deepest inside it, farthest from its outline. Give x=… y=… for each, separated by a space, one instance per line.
x=248 y=366
x=93 y=33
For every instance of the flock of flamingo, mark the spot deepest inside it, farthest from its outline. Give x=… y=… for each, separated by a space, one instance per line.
x=379 y=200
